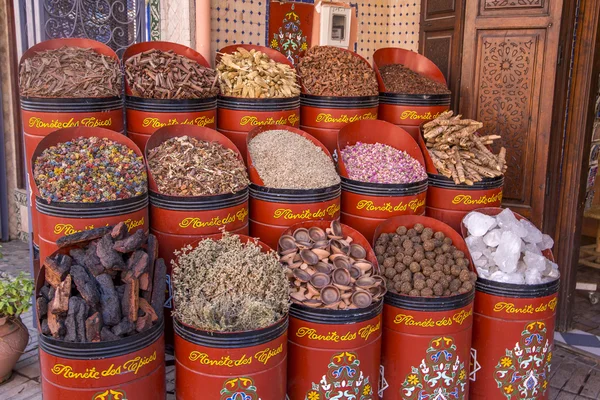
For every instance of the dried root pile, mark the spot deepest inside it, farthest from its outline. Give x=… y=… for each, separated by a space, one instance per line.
x=459 y=153
x=228 y=286
x=252 y=74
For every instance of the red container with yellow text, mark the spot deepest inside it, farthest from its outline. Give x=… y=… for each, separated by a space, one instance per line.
x=129 y=368
x=409 y=110
x=365 y=204
x=237 y=116
x=272 y=211
x=334 y=353
x=219 y=365
x=42 y=116
x=513 y=336
x=58 y=219
x=178 y=221
x=426 y=349
x=145 y=116
x=449 y=202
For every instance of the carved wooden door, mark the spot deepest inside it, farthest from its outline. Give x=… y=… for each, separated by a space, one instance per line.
x=440 y=39
x=508 y=71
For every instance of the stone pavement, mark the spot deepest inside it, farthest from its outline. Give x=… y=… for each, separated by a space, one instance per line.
x=575 y=375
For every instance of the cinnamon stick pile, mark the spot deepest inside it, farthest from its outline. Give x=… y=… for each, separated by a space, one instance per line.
x=109 y=285
x=459 y=153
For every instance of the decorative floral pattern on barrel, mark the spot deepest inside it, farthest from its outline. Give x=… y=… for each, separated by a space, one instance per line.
x=239 y=389
x=344 y=379
x=441 y=374
x=525 y=370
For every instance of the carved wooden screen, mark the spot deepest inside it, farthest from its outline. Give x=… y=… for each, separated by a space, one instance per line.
x=508 y=70
x=440 y=38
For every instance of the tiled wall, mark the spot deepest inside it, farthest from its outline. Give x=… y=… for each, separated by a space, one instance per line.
x=391 y=23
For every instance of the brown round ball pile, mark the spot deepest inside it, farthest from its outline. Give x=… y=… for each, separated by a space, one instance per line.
x=420 y=262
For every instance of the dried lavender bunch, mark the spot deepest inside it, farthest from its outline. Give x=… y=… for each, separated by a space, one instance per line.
x=70 y=72
x=228 y=286
x=157 y=74
x=186 y=166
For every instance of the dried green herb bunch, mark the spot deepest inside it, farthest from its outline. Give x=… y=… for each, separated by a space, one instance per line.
x=226 y=285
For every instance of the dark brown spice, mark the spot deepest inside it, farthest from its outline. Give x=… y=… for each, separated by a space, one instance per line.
x=330 y=71
x=157 y=74
x=399 y=79
x=186 y=166
x=70 y=72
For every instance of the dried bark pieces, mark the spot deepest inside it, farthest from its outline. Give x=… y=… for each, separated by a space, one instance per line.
x=82 y=237
x=159 y=286
x=93 y=302
x=57 y=269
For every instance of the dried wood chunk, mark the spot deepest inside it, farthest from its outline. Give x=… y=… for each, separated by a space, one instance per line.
x=86 y=285
x=159 y=287
x=148 y=310
x=145 y=285
x=88 y=259
x=93 y=327
x=109 y=300
x=109 y=258
x=60 y=303
x=152 y=251
x=82 y=237
x=130 y=243
x=143 y=323
x=41 y=307
x=56 y=323
x=119 y=231
x=123 y=328
x=106 y=335
x=137 y=264
x=57 y=268
x=130 y=301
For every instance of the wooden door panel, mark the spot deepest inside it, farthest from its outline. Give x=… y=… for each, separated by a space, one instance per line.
x=509 y=70
x=437 y=46
x=435 y=9
x=507 y=81
x=513 y=7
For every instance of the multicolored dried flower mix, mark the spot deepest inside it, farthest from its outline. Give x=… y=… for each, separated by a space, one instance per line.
x=88 y=170
x=380 y=163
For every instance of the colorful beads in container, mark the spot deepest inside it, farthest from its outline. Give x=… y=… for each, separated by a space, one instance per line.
x=88 y=170
x=380 y=163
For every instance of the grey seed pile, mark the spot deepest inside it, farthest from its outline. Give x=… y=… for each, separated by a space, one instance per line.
x=286 y=160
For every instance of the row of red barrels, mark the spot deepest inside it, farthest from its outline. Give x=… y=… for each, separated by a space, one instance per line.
x=489 y=343
x=320 y=116
x=262 y=211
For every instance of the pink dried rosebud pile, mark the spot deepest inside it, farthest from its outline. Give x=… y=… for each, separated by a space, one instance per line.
x=380 y=163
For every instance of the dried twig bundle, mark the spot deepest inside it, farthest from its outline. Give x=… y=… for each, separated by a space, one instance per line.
x=228 y=286
x=459 y=153
x=252 y=74
x=186 y=166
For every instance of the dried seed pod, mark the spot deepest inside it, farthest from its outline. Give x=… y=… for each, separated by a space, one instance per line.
x=362 y=299
x=330 y=294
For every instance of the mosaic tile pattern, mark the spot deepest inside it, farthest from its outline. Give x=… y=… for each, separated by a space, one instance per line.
x=391 y=23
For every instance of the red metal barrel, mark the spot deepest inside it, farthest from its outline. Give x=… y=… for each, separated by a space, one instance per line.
x=364 y=204
x=513 y=336
x=272 y=211
x=129 y=368
x=248 y=365
x=44 y=115
x=177 y=221
x=426 y=341
x=145 y=116
x=58 y=219
x=237 y=116
x=449 y=202
x=323 y=117
x=409 y=110
x=334 y=353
